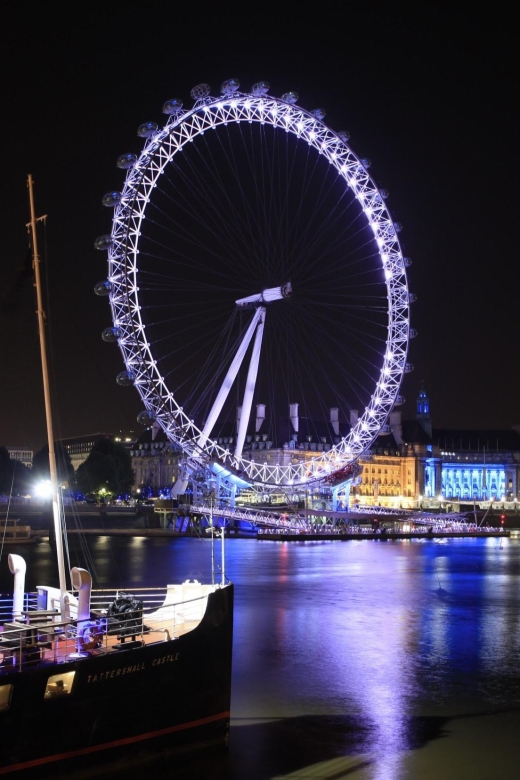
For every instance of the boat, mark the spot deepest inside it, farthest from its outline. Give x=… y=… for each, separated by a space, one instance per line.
x=12 y=532
x=94 y=681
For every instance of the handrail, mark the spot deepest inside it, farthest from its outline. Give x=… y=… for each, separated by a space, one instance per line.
x=24 y=645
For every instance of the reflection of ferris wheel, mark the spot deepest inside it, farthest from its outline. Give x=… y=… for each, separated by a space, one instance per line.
x=254 y=266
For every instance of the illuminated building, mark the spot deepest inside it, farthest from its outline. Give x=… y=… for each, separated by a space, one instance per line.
x=155 y=460
x=417 y=465
x=479 y=464
x=22 y=455
x=80 y=447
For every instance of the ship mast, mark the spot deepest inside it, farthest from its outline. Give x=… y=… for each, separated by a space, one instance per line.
x=46 y=390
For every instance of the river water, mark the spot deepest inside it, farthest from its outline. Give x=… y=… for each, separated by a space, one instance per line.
x=366 y=660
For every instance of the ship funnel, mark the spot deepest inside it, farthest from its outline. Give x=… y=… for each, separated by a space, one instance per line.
x=82 y=582
x=18 y=567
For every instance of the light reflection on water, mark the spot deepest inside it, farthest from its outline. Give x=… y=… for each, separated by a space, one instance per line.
x=352 y=659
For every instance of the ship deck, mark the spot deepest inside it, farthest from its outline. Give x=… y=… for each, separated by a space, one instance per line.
x=39 y=636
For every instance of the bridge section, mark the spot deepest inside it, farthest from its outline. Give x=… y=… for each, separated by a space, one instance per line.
x=308 y=519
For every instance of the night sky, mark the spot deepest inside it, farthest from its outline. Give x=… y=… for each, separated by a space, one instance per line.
x=427 y=94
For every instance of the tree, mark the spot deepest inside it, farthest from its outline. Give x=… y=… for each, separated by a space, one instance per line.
x=15 y=478
x=108 y=468
x=41 y=468
x=6 y=471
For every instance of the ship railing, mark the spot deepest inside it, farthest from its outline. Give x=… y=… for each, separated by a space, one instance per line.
x=169 y=612
x=6 y=605
x=38 y=634
x=24 y=644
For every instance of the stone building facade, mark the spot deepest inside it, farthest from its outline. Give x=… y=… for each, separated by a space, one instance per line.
x=155 y=461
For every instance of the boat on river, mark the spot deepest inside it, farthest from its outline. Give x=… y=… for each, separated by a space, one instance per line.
x=14 y=532
x=95 y=681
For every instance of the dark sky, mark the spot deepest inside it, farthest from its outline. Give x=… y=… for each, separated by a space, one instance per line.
x=427 y=92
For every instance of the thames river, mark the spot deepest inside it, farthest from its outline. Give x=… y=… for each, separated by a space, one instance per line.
x=364 y=660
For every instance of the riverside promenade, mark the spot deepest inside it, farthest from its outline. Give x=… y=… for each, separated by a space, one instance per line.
x=143 y=521
x=343 y=535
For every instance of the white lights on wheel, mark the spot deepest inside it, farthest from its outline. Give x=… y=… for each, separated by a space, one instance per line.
x=143 y=175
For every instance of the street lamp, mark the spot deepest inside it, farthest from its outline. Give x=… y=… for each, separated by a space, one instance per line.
x=43 y=489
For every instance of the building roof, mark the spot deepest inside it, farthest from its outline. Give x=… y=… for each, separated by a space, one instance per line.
x=414 y=433
x=386 y=443
x=477 y=440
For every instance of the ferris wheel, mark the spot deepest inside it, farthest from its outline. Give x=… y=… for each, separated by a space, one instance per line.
x=257 y=287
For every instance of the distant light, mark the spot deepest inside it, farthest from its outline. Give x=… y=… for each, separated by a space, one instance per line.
x=43 y=489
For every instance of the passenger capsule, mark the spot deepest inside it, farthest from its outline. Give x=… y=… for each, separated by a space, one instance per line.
x=318 y=113
x=103 y=288
x=413 y=333
x=290 y=97
x=111 y=334
x=344 y=135
x=103 y=242
x=407 y=262
x=111 y=199
x=125 y=378
x=260 y=88
x=384 y=194
x=172 y=107
x=200 y=91
x=398 y=227
x=408 y=368
x=146 y=418
x=399 y=400
x=412 y=297
x=229 y=87
x=366 y=163
x=147 y=129
x=125 y=161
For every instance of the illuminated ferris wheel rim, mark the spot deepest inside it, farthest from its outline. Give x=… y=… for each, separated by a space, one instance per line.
x=182 y=127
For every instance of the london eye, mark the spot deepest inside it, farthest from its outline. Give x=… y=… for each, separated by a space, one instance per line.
x=257 y=287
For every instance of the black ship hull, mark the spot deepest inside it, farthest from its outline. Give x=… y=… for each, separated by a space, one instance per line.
x=162 y=699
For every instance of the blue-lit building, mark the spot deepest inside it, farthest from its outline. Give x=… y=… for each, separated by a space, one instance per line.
x=475 y=465
x=438 y=464
x=480 y=465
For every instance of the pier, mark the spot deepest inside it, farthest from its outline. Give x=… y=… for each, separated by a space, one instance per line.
x=164 y=521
